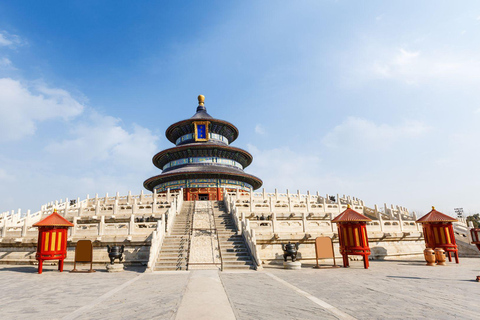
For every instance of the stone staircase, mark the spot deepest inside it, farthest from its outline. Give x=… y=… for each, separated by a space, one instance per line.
x=174 y=252
x=235 y=254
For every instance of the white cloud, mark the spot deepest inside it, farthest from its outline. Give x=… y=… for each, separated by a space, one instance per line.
x=360 y=133
x=101 y=139
x=9 y=40
x=284 y=168
x=411 y=66
x=414 y=67
x=5 y=63
x=22 y=107
x=259 y=129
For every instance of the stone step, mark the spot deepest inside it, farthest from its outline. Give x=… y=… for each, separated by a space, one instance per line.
x=228 y=259
x=233 y=250
x=172 y=259
x=169 y=263
x=170 y=268
x=231 y=242
x=243 y=267
x=235 y=253
x=238 y=263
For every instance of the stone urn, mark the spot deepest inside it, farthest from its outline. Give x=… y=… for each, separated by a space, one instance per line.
x=290 y=250
x=440 y=256
x=115 y=252
x=429 y=256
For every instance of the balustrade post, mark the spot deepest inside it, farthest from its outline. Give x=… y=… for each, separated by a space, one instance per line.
x=400 y=220
x=308 y=201
x=251 y=201
x=134 y=206
x=97 y=206
x=25 y=226
x=129 y=197
x=131 y=225
x=304 y=220
x=274 y=222
x=4 y=228
x=101 y=226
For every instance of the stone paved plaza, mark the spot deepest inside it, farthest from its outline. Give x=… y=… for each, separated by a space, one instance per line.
x=389 y=289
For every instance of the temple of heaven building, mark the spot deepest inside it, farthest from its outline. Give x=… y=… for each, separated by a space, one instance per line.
x=202 y=162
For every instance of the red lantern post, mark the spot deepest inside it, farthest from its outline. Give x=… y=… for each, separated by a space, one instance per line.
x=352 y=234
x=475 y=232
x=438 y=232
x=52 y=239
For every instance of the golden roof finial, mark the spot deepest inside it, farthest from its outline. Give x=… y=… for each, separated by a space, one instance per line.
x=348 y=206
x=433 y=208
x=201 y=100
x=55 y=210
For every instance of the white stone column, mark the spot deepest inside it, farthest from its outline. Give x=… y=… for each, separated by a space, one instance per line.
x=252 y=206
x=131 y=225
x=101 y=226
x=304 y=220
x=74 y=228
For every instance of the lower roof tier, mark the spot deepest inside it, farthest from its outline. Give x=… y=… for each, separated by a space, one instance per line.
x=220 y=175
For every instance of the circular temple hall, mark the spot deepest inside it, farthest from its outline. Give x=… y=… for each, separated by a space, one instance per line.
x=202 y=162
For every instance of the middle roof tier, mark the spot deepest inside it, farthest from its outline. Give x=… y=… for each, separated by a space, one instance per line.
x=195 y=150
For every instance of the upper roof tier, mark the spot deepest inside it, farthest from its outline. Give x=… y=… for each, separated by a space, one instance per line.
x=221 y=127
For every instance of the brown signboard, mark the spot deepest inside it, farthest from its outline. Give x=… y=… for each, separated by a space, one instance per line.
x=83 y=253
x=324 y=249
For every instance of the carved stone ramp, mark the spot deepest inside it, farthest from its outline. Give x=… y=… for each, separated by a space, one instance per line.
x=175 y=249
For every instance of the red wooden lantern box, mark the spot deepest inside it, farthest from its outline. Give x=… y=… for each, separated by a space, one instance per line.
x=438 y=232
x=52 y=239
x=352 y=234
x=475 y=232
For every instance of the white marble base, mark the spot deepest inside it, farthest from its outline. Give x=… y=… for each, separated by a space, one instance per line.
x=297 y=265
x=118 y=267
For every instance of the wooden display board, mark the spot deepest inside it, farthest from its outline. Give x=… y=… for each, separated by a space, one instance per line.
x=84 y=254
x=324 y=250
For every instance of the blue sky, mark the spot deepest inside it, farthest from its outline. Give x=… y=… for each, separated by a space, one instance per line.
x=378 y=100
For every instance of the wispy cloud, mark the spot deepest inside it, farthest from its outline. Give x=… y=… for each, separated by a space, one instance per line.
x=357 y=133
x=22 y=106
x=103 y=140
x=259 y=129
x=9 y=40
x=416 y=67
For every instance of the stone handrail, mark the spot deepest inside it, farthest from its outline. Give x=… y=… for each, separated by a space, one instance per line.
x=157 y=240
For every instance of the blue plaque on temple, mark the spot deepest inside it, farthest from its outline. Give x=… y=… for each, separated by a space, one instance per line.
x=201 y=131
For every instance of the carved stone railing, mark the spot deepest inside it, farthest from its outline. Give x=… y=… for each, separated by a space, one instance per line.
x=89 y=215
x=156 y=243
